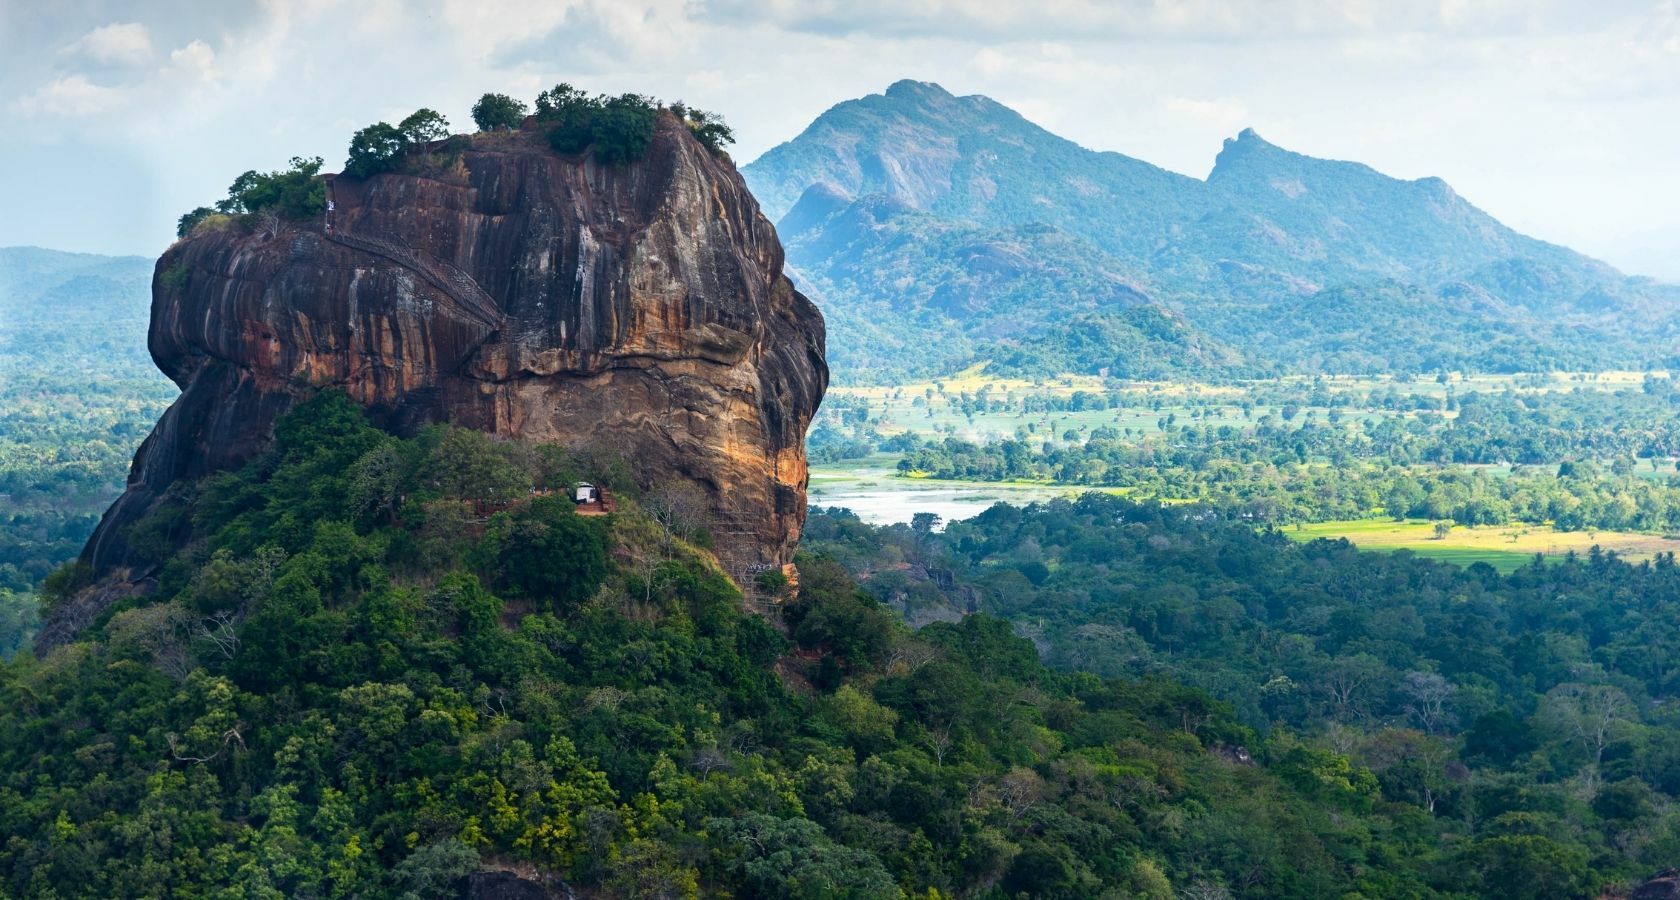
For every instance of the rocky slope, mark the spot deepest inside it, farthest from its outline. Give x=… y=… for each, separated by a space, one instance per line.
x=515 y=291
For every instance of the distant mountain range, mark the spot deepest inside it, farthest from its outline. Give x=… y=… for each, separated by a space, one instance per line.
x=937 y=231
x=73 y=311
x=33 y=278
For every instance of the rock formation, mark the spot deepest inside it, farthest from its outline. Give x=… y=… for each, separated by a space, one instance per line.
x=509 y=289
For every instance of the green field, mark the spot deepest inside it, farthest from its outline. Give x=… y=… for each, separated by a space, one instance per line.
x=1506 y=548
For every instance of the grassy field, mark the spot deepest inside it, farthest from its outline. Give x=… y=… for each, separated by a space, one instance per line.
x=1504 y=547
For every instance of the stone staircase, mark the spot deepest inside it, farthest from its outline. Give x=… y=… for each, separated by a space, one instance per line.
x=454 y=283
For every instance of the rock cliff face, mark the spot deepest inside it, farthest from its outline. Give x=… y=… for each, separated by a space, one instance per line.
x=518 y=292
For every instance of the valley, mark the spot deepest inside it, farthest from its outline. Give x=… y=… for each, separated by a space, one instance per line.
x=1326 y=433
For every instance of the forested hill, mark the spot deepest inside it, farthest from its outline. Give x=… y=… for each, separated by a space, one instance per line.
x=1295 y=263
x=356 y=678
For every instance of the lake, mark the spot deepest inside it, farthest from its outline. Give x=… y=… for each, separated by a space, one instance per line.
x=872 y=490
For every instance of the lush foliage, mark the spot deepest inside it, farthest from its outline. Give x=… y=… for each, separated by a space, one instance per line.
x=1525 y=719
x=617 y=130
x=360 y=676
x=1290 y=490
x=374 y=149
x=297 y=192
x=381 y=147
x=1303 y=451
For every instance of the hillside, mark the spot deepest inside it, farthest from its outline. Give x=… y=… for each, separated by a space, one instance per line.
x=1236 y=255
x=909 y=274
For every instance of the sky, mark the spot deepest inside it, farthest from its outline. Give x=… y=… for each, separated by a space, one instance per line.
x=1560 y=117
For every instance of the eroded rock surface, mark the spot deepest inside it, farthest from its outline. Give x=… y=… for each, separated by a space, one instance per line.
x=515 y=291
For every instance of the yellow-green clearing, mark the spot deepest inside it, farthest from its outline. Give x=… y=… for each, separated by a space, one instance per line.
x=1505 y=547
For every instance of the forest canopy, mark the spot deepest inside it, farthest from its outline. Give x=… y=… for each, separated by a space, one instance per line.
x=384 y=695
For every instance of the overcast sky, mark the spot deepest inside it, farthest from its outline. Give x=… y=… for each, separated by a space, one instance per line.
x=1561 y=117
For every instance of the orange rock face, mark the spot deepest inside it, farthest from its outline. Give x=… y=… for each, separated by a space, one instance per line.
x=518 y=292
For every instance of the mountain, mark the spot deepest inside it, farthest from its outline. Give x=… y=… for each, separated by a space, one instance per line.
x=1007 y=285
x=1232 y=255
x=637 y=308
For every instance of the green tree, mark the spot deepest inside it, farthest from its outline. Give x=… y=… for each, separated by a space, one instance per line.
x=297 y=192
x=709 y=128
x=1530 y=867
x=623 y=128
x=793 y=858
x=424 y=126
x=375 y=149
x=552 y=553
x=564 y=103
x=494 y=111
x=571 y=115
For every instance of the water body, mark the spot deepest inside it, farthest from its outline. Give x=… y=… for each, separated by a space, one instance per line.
x=878 y=496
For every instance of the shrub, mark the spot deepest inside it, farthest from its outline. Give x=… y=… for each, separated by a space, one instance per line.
x=176 y=276
x=708 y=128
x=493 y=111
x=569 y=138
x=185 y=225
x=64 y=582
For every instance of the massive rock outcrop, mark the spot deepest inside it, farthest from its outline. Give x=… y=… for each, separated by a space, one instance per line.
x=516 y=291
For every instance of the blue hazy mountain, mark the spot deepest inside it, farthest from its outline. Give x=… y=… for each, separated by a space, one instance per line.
x=923 y=219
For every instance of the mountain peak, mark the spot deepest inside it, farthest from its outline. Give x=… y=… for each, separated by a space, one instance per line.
x=1247 y=141
x=910 y=89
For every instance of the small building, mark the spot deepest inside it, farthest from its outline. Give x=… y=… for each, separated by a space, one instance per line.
x=593 y=501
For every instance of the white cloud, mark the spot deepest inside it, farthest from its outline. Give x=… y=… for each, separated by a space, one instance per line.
x=1550 y=113
x=1216 y=20
x=118 y=44
x=70 y=96
x=195 y=58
